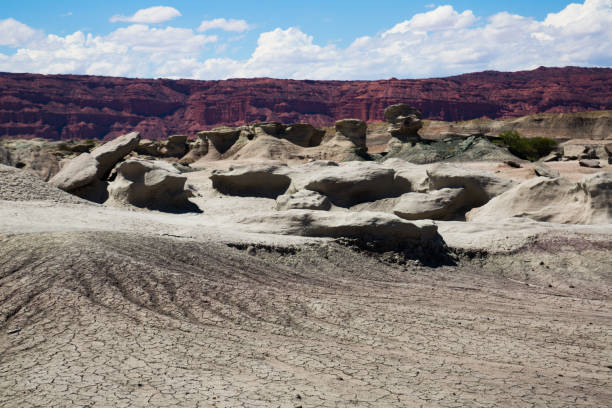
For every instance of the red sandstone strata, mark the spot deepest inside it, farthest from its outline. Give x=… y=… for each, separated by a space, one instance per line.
x=74 y=106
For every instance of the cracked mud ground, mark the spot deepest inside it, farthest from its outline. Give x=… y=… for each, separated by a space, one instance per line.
x=115 y=319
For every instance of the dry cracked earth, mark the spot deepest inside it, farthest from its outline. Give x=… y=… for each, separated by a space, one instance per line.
x=97 y=319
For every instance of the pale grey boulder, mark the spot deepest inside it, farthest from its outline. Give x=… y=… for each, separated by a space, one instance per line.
x=480 y=185
x=352 y=131
x=303 y=200
x=110 y=153
x=365 y=226
x=436 y=205
x=149 y=184
x=76 y=173
x=542 y=170
x=592 y=163
x=352 y=183
x=252 y=180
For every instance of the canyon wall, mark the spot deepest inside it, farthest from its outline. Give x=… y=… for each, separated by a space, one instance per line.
x=84 y=107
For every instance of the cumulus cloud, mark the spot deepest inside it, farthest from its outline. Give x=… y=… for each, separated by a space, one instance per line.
x=237 y=26
x=151 y=15
x=14 y=33
x=441 y=18
x=442 y=41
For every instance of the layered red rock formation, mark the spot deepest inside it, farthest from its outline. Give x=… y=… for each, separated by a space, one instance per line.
x=70 y=106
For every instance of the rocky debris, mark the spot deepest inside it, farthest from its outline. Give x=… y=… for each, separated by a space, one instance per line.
x=436 y=205
x=404 y=122
x=513 y=163
x=480 y=186
x=365 y=226
x=590 y=163
x=540 y=169
x=34 y=158
x=575 y=152
x=150 y=184
x=351 y=131
x=553 y=200
x=252 y=180
x=111 y=152
x=20 y=185
x=303 y=200
x=453 y=149
x=553 y=156
x=352 y=183
x=76 y=173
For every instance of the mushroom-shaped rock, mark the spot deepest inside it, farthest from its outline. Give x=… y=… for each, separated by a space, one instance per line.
x=252 y=180
x=219 y=140
x=304 y=200
x=542 y=170
x=175 y=146
x=404 y=121
x=553 y=200
x=365 y=226
x=436 y=205
x=197 y=149
x=78 y=172
x=150 y=184
x=351 y=130
x=574 y=151
x=352 y=182
x=480 y=185
x=148 y=147
x=303 y=134
x=111 y=152
x=268 y=128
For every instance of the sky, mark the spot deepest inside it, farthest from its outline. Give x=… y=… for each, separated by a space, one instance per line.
x=341 y=39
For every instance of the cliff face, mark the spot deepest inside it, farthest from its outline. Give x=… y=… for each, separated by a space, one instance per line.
x=67 y=106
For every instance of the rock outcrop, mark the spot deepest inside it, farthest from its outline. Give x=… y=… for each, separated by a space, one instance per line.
x=365 y=226
x=553 y=200
x=252 y=180
x=404 y=122
x=437 y=205
x=150 y=184
x=303 y=200
x=73 y=106
x=480 y=186
x=542 y=170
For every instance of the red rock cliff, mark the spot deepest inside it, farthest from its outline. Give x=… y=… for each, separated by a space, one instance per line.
x=70 y=106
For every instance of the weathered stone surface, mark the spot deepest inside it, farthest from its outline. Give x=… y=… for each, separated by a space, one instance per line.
x=540 y=169
x=35 y=159
x=197 y=149
x=574 y=151
x=303 y=134
x=436 y=205
x=590 y=163
x=111 y=152
x=353 y=130
x=366 y=226
x=150 y=184
x=219 y=140
x=252 y=180
x=352 y=183
x=553 y=200
x=5 y=158
x=78 y=172
x=303 y=200
x=480 y=186
x=407 y=173
x=148 y=147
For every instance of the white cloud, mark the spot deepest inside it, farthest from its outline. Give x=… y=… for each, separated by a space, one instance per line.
x=441 y=18
x=151 y=15
x=14 y=33
x=237 y=26
x=441 y=42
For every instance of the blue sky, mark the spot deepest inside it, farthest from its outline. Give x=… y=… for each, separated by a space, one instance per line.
x=315 y=39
